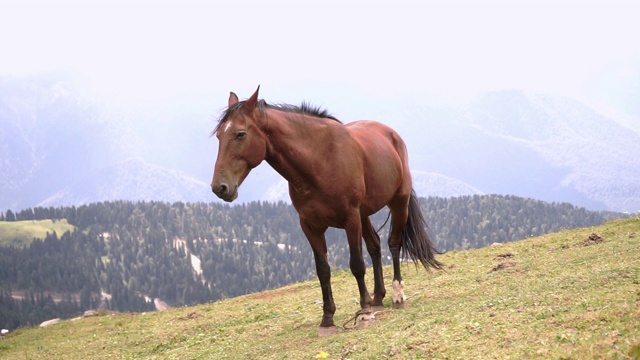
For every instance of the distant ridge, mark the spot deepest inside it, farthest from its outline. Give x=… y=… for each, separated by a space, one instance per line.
x=424 y=183
x=59 y=147
x=131 y=179
x=433 y=184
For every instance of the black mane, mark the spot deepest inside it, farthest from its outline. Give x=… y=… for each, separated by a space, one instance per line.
x=304 y=109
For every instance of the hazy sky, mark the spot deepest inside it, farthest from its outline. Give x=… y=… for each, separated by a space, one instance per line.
x=158 y=49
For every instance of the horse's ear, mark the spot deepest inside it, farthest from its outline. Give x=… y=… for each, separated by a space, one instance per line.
x=233 y=99
x=251 y=103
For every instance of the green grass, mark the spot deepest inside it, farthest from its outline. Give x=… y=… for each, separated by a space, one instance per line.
x=561 y=300
x=21 y=233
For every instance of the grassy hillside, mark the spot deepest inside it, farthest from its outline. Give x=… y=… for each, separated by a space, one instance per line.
x=21 y=233
x=564 y=295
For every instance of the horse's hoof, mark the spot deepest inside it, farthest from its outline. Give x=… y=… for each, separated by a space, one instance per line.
x=399 y=305
x=327 y=331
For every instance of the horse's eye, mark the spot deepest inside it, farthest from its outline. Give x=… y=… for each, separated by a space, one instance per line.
x=241 y=135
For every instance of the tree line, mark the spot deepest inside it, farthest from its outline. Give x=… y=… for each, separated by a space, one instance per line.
x=137 y=251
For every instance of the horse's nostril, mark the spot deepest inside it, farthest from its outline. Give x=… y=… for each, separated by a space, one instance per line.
x=221 y=190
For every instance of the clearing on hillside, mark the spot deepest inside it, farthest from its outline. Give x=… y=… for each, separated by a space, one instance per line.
x=21 y=233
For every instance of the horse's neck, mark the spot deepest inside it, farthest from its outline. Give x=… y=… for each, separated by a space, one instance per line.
x=293 y=150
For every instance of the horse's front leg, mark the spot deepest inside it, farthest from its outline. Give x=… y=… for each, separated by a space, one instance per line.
x=353 y=228
x=323 y=270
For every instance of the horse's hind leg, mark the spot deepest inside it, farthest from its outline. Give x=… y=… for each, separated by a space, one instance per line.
x=399 y=208
x=353 y=227
x=372 y=240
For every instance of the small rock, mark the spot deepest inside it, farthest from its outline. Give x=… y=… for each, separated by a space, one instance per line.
x=89 y=313
x=50 y=322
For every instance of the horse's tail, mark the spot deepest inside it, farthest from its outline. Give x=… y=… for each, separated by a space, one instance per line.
x=415 y=242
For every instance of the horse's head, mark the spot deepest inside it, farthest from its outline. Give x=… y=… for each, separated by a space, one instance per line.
x=242 y=146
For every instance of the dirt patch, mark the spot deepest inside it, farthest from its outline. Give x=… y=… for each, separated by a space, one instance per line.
x=503 y=256
x=593 y=239
x=191 y=315
x=503 y=265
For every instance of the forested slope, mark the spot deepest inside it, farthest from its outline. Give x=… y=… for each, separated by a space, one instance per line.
x=123 y=252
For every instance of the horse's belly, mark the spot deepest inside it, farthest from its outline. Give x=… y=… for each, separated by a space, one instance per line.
x=383 y=165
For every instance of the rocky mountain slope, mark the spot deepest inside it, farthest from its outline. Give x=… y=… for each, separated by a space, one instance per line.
x=58 y=147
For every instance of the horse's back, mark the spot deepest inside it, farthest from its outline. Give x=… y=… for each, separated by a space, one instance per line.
x=385 y=160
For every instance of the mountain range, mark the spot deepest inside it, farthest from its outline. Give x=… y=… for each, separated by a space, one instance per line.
x=61 y=146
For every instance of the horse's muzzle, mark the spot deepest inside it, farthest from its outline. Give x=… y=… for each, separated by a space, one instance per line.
x=225 y=192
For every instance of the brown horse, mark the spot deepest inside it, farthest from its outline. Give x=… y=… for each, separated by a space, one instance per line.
x=338 y=175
